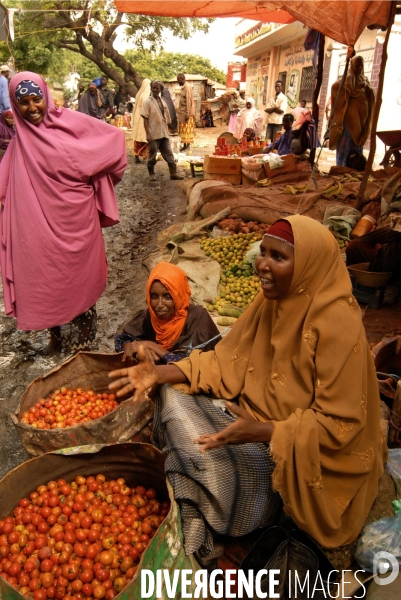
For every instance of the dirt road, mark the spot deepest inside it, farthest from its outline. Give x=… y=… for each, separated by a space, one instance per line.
x=145 y=209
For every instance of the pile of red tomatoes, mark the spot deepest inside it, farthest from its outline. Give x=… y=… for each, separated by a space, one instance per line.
x=64 y=408
x=78 y=541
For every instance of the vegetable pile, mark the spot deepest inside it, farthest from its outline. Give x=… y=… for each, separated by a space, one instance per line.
x=238 y=284
x=234 y=224
x=65 y=408
x=78 y=540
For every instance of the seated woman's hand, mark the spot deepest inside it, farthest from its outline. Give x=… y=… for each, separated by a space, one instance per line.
x=153 y=351
x=139 y=378
x=244 y=430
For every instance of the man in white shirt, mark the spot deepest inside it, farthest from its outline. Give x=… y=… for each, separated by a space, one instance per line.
x=156 y=117
x=276 y=108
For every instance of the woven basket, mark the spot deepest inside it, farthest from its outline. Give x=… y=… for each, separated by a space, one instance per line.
x=368 y=278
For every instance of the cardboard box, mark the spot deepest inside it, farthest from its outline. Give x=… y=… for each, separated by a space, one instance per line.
x=234 y=179
x=289 y=165
x=222 y=166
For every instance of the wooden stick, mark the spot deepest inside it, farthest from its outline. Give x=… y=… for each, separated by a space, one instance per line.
x=372 y=151
x=316 y=91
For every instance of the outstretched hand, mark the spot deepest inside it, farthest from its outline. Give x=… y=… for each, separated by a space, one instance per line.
x=139 y=378
x=244 y=430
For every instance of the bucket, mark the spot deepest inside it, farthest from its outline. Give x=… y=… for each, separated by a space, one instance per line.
x=88 y=370
x=364 y=225
x=138 y=464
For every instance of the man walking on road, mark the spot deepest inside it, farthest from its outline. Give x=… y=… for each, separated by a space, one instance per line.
x=156 y=118
x=186 y=113
x=276 y=107
x=107 y=95
x=4 y=97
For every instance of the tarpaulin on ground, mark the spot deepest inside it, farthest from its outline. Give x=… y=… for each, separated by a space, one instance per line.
x=340 y=20
x=266 y=205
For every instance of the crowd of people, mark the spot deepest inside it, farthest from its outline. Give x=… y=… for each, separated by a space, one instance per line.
x=280 y=416
x=353 y=104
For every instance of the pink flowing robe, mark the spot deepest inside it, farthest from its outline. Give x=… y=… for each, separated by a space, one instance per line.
x=57 y=190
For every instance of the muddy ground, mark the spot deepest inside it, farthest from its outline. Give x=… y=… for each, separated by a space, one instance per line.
x=145 y=209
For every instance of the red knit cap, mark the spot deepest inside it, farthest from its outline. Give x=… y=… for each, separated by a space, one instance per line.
x=281 y=230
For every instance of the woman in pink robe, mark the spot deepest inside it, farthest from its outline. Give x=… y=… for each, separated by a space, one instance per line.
x=57 y=191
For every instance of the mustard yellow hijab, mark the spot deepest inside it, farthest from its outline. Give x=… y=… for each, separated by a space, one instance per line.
x=304 y=363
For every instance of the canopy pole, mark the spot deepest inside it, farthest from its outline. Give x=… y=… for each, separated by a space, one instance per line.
x=316 y=91
x=376 y=112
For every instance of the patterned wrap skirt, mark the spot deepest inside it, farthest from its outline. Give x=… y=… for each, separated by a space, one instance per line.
x=186 y=131
x=78 y=333
x=141 y=149
x=225 y=491
x=345 y=147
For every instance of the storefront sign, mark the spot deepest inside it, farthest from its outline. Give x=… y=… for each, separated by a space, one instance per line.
x=253 y=33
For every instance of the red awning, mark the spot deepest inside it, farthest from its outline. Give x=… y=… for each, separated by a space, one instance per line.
x=340 y=20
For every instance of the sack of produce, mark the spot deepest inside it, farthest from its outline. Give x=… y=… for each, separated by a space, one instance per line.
x=82 y=411
x=87 y=523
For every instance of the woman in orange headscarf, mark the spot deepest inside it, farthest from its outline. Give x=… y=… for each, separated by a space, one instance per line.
x=170 y=327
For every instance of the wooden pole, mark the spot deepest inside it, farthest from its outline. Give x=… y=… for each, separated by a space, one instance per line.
x=316 y=91
x=376 y=112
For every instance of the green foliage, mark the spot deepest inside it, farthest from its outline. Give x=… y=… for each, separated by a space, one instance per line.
x=165 y=65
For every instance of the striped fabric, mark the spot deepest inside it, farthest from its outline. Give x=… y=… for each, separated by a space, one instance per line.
x=227 y=490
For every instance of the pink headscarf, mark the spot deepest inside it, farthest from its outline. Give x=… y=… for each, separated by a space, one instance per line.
x=57 y=189
x=302 y=115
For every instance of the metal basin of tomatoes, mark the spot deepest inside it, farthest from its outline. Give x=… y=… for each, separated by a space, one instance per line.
x=138 y=464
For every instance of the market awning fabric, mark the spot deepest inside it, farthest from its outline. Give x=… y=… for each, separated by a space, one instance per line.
x=340 y=20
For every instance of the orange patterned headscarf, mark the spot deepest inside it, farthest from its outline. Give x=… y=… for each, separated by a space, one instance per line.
x=176 y=281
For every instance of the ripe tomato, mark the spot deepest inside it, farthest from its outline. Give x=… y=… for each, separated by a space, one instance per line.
x=86 y=577
x=47 y=580
x=99 y=591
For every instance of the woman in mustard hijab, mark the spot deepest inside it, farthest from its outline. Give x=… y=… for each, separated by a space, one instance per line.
x=170 y=326
x=300 y=428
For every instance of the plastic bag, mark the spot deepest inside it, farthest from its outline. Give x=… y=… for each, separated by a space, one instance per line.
x=217 y=232
x=381 y=536
x=275 y=162
x=394 y=468
x=251 y=255
x=341 y=220
x=394 y=463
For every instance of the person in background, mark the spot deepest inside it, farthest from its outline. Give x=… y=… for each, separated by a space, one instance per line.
x=248 y=118
x=81 y=91
x=283 y=144
x=275 y=109
x=107 y=96
x=352 y=119
x=7 y=130
x=4 y=97
x=234 y=106
x=173 y=126
x=156 y=118
x=207 y=118
x=141 y=146
x=90 y=103
x=242 y=95
x=57 y=192
x=186 y=113
x=381 y=248
x=122 y=107
x=303 y=103
x=170 y=327
x=304 y=133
